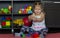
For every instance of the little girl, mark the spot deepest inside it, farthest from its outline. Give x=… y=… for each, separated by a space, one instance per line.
x=38 y=20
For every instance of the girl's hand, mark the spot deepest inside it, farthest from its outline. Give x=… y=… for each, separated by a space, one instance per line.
x=34 y=19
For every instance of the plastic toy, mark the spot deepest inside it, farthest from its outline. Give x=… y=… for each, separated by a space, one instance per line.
x=8 y=18
x=3 y=18
x=25 y=6
x=30 y=11
x=7 y=23
x=35 y=35
x=3 y=23
x=10 y=8
x=26 y=21
x=29 y=7
x=20 y=12
x=19 y=22
x=28 y=36
x=22 y=9
x=2 y=11
x=6 y=10
x=25 y=10
x=23 y=35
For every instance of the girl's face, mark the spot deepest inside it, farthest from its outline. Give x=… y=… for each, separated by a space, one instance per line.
x=37 y=9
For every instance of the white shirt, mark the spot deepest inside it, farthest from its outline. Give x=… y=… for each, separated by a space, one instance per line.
x=37 y=26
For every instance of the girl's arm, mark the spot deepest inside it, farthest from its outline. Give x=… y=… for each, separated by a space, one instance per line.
x=31 y=17
x=34 y=19
x=42 y=17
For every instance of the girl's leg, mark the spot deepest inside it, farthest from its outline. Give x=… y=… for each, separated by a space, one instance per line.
x=43 y=32
x=22 y=30
x=31 y=31
x=41 y=35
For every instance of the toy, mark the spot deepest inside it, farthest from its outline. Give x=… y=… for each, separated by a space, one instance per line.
x=19 y=22
x=26 y=21
x=30 y=11
x=6 y=10
x=35 y=35
x=8 y=18
x=30 y=7
x=25 y=6
x=28 y=36
x=3 y=23
x=7 y=23
x=24 y=12
x=3 y=18
x=22 y=9
x=2 y=11
x=27 y=9
x=10 y=8
x=23 y=35
x=20 y=12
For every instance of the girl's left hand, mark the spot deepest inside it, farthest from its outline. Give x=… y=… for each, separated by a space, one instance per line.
x=34 y=19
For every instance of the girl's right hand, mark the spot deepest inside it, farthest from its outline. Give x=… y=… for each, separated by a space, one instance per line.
x=34 y=19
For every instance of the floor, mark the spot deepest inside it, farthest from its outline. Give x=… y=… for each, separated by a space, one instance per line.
x=51 y=35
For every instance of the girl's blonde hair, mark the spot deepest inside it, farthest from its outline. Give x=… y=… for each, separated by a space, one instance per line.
x=39 y=4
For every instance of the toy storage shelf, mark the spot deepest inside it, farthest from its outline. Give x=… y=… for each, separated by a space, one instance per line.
x=21 y=14
x=4 y=4
x=5 y=0
x=5 y=31
x=5 y=28
x=50 y=0
x=5 y=15
x=26 y=0
x=17 y=4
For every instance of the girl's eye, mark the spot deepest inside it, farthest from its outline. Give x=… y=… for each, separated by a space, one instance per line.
x=35 y=10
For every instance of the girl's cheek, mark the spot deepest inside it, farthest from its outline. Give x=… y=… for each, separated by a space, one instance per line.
x=39 y=10
x=35 y=10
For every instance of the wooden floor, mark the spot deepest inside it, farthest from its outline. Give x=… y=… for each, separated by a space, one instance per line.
x=6 y=36
x=51 y=35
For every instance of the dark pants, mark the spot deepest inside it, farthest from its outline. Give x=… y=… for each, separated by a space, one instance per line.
x=42 y=32
x=31 y=31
